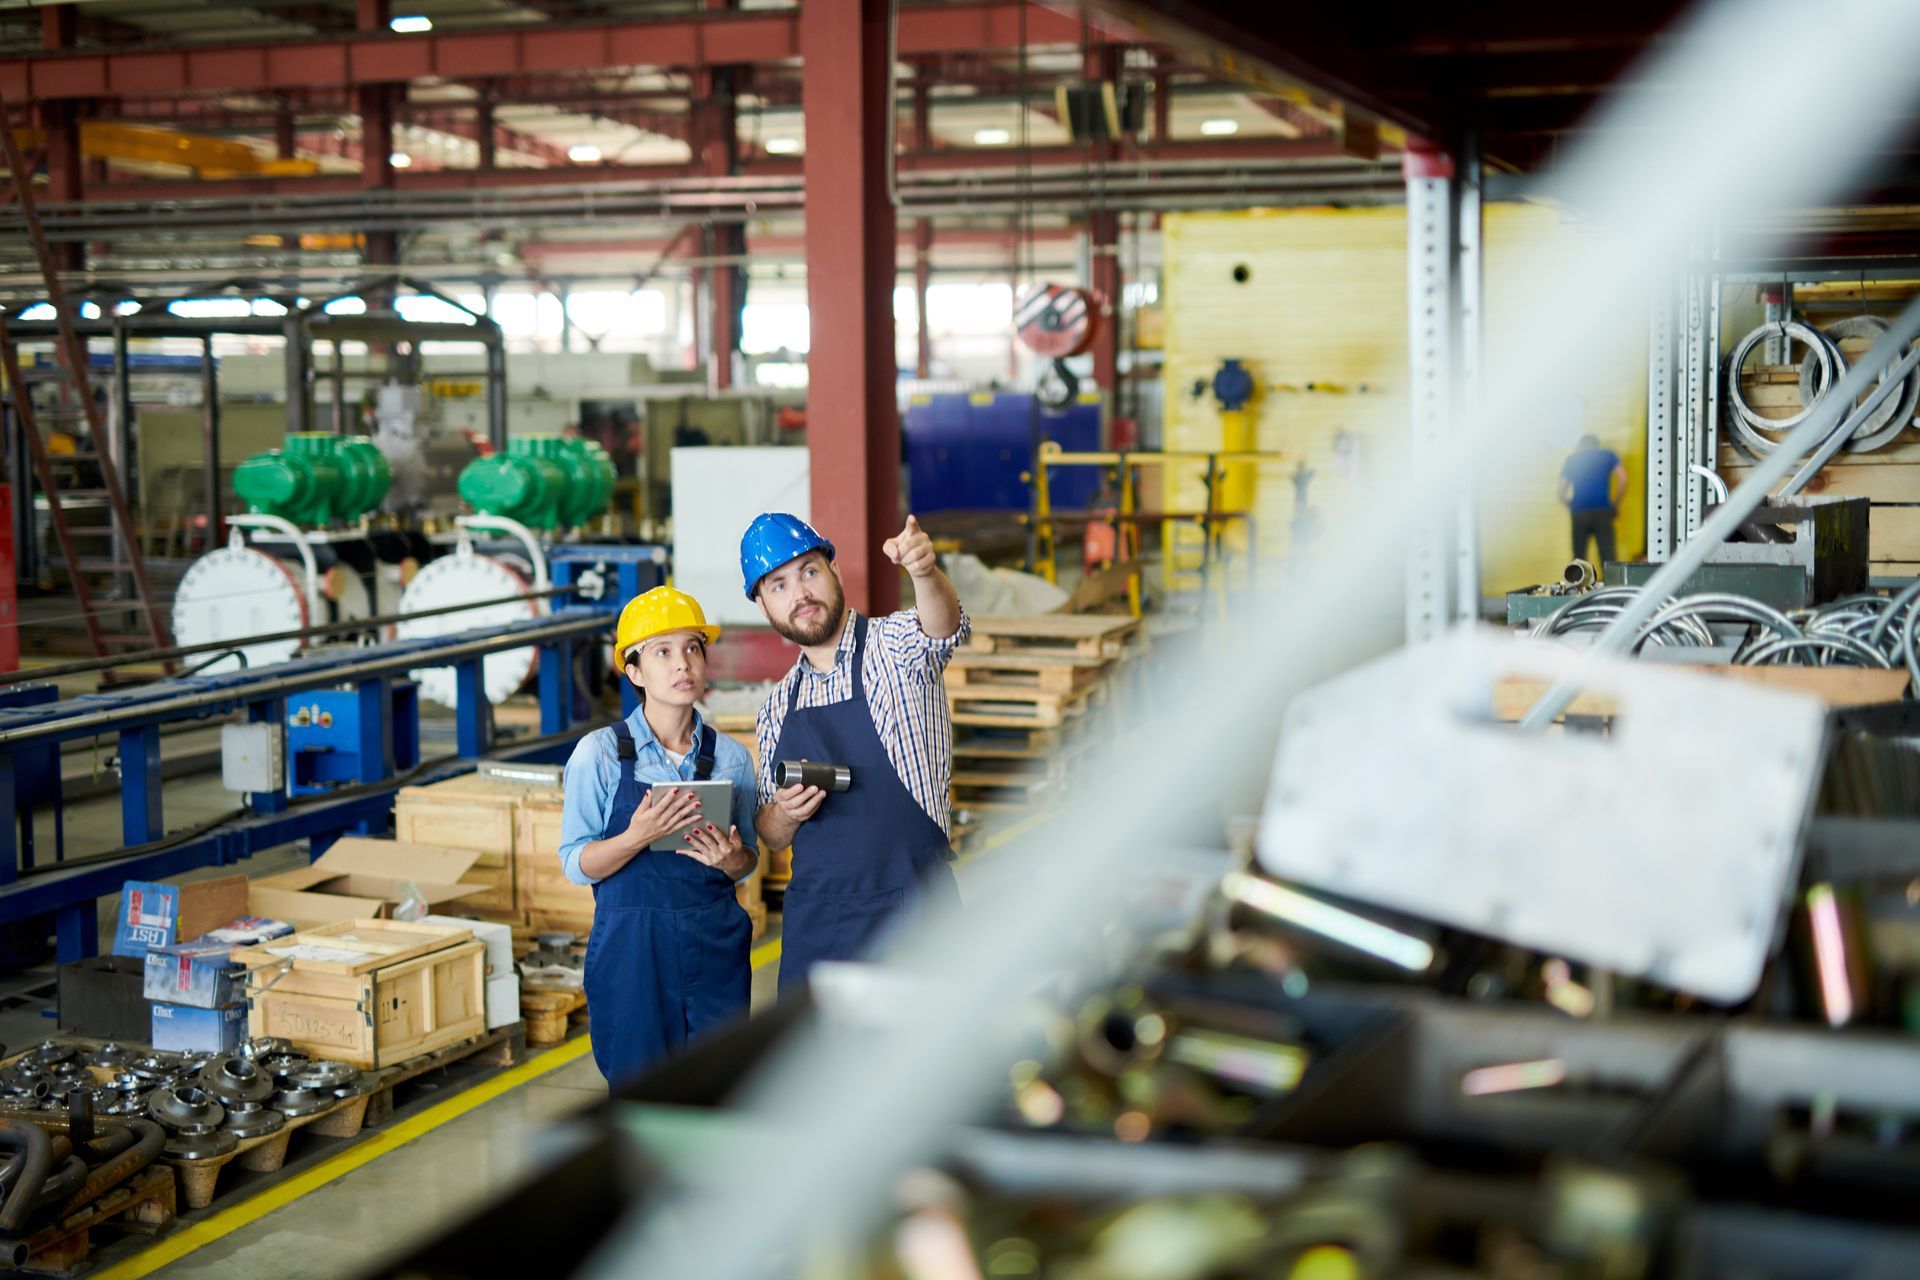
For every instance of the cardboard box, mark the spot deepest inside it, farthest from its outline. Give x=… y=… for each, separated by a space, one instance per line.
x=183 y=1029
x=503 y=1000
x=498 y=939
x=201 y=974
x=159 y=915
x=361 y=878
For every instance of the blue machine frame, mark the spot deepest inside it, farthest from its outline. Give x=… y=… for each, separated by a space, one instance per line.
x=32 y=726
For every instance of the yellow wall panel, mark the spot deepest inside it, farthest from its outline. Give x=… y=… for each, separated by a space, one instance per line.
x=1314 y=301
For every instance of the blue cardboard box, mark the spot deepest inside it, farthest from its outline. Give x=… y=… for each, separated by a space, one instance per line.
x=201 y=974
x=159 y=915
x=149 y=917
x=181 y=1028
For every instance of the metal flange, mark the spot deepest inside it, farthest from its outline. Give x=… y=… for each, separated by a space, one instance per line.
x=185 y=1108
x=326 y=1074
x=201 y=1146
x=251 y=1120
x=236 y=1080
x=283 y=1066
x=154 y=1066
x=47 y=1053
x=302 y=1102
x=111 y=1056
x=267 y=1047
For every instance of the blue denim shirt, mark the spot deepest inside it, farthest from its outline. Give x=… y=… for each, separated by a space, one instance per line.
x=593 y=775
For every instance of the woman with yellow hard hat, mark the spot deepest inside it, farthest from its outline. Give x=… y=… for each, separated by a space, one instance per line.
x=668 y=955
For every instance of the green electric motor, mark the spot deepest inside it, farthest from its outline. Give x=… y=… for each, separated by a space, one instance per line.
x=544 y=482
x=316 y=479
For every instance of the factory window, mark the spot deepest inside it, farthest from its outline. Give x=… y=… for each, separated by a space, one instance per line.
x=346 y=307
x=426 y=308
x=773 y=326
x=618 y=316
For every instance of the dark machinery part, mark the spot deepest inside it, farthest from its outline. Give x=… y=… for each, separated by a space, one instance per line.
x=295 y=1103
x=812 y=773
x=325 y=1074
x=185 y=1109
x=252 y=1120
x=200 y=1146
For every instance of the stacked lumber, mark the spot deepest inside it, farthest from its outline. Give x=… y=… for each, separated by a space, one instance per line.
x=1028 y=698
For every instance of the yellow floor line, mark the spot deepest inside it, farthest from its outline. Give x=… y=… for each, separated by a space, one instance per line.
x=180 y=1244
x=766 y=953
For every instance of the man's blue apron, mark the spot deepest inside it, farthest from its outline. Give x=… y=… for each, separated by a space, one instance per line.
x=868 y=852
x=668 y=955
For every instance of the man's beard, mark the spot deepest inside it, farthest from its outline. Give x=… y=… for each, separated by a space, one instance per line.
x=821 y=629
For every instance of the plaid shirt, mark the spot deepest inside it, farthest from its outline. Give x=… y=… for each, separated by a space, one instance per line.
x=905 y=692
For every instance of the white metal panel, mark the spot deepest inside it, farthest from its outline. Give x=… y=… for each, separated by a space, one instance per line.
x=717 y=492
x=1646 y=851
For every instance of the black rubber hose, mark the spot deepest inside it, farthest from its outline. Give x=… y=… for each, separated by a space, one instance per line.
x=123 y=1166
x=31 y=1143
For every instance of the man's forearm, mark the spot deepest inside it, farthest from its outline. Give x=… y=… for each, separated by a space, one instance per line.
x=775 y=827
x=937 y=604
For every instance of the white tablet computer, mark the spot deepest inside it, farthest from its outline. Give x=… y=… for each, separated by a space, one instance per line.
x=716 y=806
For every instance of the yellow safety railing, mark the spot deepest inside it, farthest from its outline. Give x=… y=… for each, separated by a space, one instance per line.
x=1123 y=471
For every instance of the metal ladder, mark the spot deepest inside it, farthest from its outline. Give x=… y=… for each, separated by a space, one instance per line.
x=74 y=351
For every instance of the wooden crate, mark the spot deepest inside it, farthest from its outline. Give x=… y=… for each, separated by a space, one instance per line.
x=389 y=990
x=471 y=812
x=545 y=891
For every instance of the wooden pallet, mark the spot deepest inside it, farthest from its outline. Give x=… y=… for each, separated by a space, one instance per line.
x=972 y=788
x=200 y=1178
x=996 y=705
x=1012 y=742
x=1022 y=671
x=547 y=1012
x=1097 y=637
x=499 y=1047
x=142 y=1205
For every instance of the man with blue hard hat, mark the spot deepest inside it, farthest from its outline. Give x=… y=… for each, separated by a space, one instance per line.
x=867 y=694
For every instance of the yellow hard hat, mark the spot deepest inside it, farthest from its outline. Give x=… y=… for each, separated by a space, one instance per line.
x=659 y=611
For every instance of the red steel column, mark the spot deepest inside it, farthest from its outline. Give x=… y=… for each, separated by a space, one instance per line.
x=853 y=424
x=1103 y=235
x=717 y=152
x=66 y=168
x=922 y=276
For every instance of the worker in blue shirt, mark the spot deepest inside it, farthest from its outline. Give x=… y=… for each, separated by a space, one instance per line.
x=1591 y=483
x=667 y=958
x=868 y=694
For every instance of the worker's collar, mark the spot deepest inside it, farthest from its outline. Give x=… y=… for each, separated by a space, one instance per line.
x=643 y=732
x=841 y=651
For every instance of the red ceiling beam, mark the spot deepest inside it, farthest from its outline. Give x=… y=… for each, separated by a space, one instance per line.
x=712 y=38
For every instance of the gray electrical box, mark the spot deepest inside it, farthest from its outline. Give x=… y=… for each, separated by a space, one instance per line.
x=253 y=757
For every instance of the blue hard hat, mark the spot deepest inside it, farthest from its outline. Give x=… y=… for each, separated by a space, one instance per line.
x=773 y=539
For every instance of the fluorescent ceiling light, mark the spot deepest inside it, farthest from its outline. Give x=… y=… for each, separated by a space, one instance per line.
x=1219 y=128
x=992 y=137
x=583 y=154
x=400 y=160
x=783 y=146
x=411 y=24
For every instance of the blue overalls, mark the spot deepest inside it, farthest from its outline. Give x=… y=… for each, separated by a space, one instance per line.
x=668 y=956
x=868 y=852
